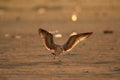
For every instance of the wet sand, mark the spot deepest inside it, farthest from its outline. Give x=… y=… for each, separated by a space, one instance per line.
x=23 y=56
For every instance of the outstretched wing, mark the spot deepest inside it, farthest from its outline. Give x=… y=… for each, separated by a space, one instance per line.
x=47 y=39
x=74 y=40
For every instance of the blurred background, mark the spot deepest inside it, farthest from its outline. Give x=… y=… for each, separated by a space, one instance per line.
x=53 y=14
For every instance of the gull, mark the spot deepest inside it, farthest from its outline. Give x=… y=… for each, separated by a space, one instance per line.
x=56 y=49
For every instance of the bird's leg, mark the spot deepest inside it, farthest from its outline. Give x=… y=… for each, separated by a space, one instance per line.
x=53 y=53
x=56 y=57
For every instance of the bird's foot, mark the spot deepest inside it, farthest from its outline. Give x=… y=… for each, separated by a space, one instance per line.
x=56 y=58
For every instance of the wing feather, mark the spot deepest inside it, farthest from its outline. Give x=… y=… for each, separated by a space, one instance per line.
x=47 y=39
x=74 y=40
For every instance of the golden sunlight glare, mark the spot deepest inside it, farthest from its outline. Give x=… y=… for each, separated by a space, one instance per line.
x=74 y=17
